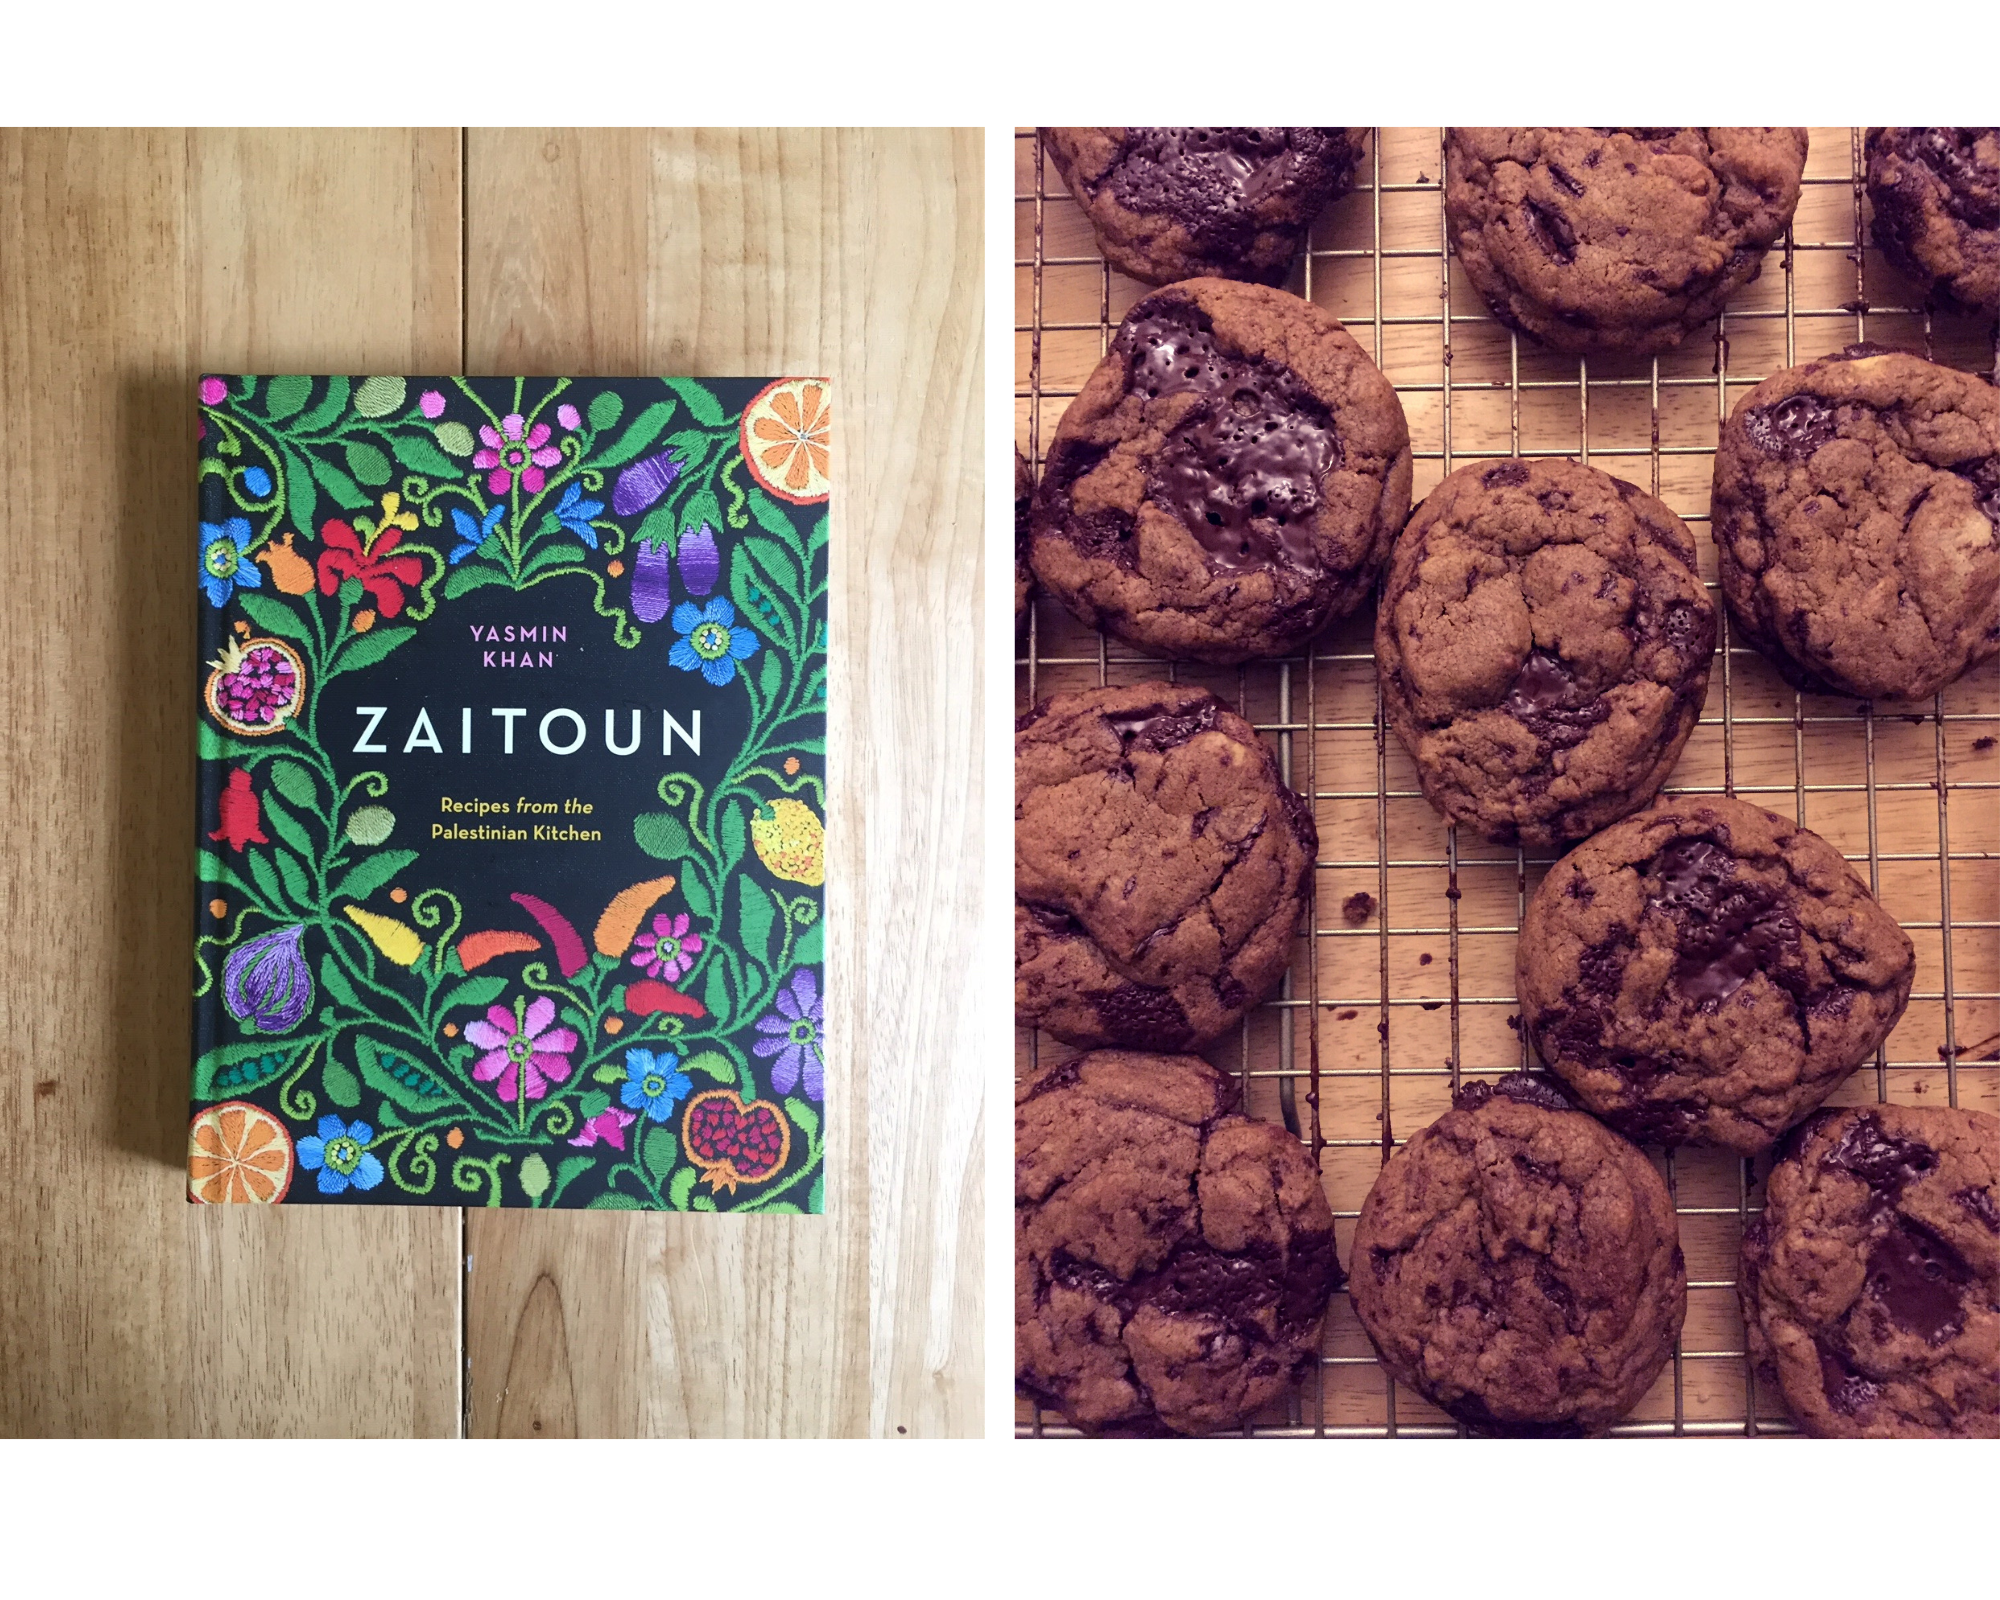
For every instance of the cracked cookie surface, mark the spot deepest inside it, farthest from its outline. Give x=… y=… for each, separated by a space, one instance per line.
x=1228 y=481
x=1871 y=1280
x=1857 y=521
x=1602 y=240
x=1172 y=1262
x=1160 y=867
x=1707 y=973
x=1174 y=203
x=1543 y=645
x=1936 y=194
x=1518 y=1264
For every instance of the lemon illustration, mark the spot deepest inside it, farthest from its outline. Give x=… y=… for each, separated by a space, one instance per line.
x=790 y=842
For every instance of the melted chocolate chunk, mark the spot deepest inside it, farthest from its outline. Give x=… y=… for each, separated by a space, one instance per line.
x=1670 y=1124
x=1243 y=469
x=1529 y=1088
x=1792 y=429
x=1210 y=179
x=1546 y=700
x=1507 y=475
x=1981 y=1204
x=1984 y=476
x=1727 y=928
x=1053 y=920
x=1144 y=1018
x=1971 y=190
x=1917 y=1278
x=1887 y=1165
x=1847 y=1391
x=1157 y=728
x=1550 y=229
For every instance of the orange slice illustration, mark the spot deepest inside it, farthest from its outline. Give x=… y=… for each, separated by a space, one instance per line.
x=786 y=436
x=238 y=1154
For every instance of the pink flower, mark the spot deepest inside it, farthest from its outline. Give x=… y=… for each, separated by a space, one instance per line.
x=569 y=416
x=213 y=391
x=521 y=1047
x=512 y=454
x=431 y=403
x=609 y=1125
x=669 y=950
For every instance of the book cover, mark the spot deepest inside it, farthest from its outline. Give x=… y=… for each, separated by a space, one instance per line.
x=511 y=788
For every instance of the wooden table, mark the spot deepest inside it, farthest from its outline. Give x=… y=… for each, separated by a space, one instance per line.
x=131 y=262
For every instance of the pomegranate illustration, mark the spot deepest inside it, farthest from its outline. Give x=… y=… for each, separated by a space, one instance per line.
x=732 y=1142
x=256 y=687
x=242 y=818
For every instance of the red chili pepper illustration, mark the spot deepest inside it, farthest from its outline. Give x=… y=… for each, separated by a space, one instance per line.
x=570 y=954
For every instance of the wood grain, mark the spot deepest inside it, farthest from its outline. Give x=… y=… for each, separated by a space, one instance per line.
x=855 y=255
x=1418 y=989
x=134 y=262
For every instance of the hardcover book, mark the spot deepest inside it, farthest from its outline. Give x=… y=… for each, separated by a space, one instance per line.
x=511 y=788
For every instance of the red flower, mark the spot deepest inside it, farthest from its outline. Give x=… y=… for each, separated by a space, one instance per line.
x=379 y=572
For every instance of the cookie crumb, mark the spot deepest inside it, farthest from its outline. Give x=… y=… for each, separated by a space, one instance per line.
x=1346 y=1016
x=1357 y=908
x=1985 y=741
x=1424 y=960
x=1513 y=1022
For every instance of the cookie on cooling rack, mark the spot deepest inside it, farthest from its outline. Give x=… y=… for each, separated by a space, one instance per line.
x=1936 y=193
x=1024 y=580
x=1617 y=240
x=1160 y=867
x=1174 y=203
x=1518 y=1264
x=1543 y=646
x=1707 y=973
x=1229 y=479
x=1871 y=1280
x=1172 y=1263
x=1857 y=519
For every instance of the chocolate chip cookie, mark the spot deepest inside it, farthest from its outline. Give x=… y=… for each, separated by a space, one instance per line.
x=1172 y=1263
x=1160 y=867
x=1543 y=646
x=1857 y=518
x=1174 y=203
x=1936 y=193
x=1603 y=240
x=1024 y=492
x=1871 y=1280
x=1518 y=1264
x=1707 y=973
x=1229 y=480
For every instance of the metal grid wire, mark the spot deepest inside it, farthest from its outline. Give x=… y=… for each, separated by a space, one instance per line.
x=1907 y=791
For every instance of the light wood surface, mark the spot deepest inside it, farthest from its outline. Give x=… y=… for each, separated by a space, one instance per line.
x=130 y=263
x=1415 y=988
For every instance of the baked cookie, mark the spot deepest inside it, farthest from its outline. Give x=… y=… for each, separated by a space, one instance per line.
x=1174 y=203
x=1518 y=1264
x=1707 y=973
x=1857 y=518
x=1160 y=866
x=1936 y=193
x=1229 y=479
x=1871 y=1280
x=1543 y=645
x=1024 y=492
x=1172 y=1264
x=1617 y=240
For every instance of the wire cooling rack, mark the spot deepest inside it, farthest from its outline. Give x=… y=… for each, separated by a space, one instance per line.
x=1404 y=987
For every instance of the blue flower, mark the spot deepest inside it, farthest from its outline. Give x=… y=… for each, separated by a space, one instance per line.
x=710 y=641
x=472 y=534
x=257 y=481
x=652 y=1083
x=224 y=567
x=574 y=513
x=339 y=1154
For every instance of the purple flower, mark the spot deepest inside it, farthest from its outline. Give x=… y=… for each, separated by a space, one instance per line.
x=571 y=419
x=431 y=403
x=651 y=590
x=669 y=950
x=609 y=1125
x=213 y=391
x=516 y=451
x=701 y=562
x=266 y=984
x=794 y=1034
x=522 y=1050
